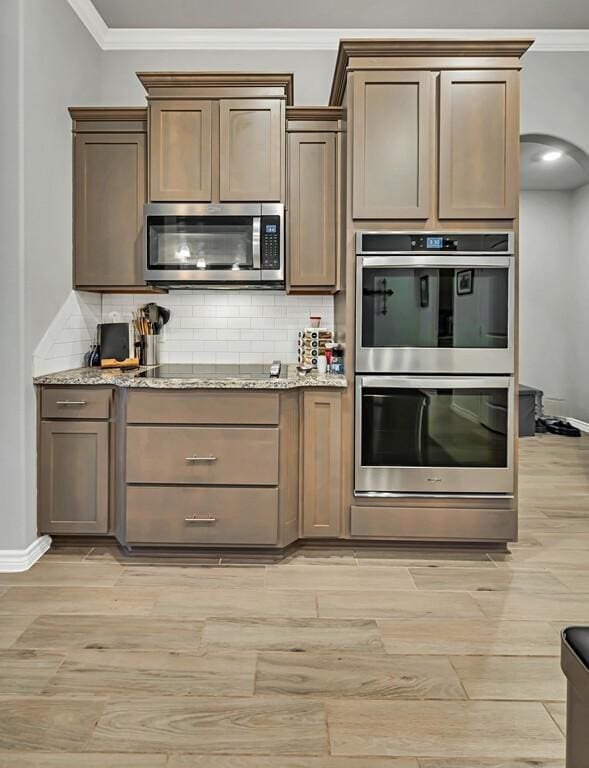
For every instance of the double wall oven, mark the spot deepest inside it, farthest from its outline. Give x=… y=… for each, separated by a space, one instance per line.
x=434 y=363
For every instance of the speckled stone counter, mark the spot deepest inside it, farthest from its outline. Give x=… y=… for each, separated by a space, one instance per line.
x=130 y=379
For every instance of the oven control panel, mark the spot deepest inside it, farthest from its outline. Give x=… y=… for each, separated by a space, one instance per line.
x=270 y=239
x=434 y=242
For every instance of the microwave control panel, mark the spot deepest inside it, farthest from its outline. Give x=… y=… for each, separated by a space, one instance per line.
x=270 y=242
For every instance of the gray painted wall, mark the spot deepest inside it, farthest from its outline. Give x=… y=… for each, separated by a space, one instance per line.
x=313 y=70
x=576 y=300
x=544 y=250
x=554 y=312
x=49 y=62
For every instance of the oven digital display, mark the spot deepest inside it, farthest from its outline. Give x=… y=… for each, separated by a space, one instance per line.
x=270 y=229
x=434 y=243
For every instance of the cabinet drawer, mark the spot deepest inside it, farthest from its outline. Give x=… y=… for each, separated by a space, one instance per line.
x=75 y=403
x=235 y=515
x=431 y=523
x=202 y=456
x=203 y=407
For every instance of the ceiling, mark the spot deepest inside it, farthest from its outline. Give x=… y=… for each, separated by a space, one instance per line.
x=570 y=171
x=315 y=14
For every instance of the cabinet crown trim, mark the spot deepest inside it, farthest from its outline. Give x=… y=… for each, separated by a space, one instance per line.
x=395 y=48
x=218 y=80
x=108 y=113
x=315 y=113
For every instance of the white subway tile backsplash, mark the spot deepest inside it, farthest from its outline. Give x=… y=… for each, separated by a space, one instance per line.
x=205 y=326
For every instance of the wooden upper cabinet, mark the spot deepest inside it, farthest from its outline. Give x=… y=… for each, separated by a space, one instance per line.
x=312 y=206
x=74 y=477
x=392 y=134
x=109 y=193
x=180 y=150
x=479 y=140
x=251 y=149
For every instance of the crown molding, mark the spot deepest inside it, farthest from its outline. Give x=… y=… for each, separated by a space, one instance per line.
x=284 y=80
x=92 y=20
x=108 y=113
x=266 y=39
x=315 y=113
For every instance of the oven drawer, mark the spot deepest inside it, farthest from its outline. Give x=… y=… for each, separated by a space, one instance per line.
x=75 y=403
x=202 y=456
x=202 y=407
x=167 y=515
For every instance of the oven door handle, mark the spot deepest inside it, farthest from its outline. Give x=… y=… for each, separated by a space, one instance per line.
x=256 y=238
x=459 y=261
x=435 y=382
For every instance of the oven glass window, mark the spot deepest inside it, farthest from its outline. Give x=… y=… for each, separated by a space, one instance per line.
x=203 y=243
x=435 y=307
x=434 y=427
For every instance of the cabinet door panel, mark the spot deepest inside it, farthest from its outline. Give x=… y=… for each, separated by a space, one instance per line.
x=322 y=464
x=312 y=209
x=180 y=150
x=392 y=135
x=109 y=192
x=479 y=142
x=251 y=150
x=74 y=477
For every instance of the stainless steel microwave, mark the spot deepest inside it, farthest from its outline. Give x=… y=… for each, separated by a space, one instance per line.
x=435 y=303
x=189 y=245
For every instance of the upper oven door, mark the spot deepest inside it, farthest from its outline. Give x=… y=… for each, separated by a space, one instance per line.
x=424 y=313
x=202 y=243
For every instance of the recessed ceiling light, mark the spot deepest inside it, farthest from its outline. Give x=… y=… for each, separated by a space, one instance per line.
x=552 y=155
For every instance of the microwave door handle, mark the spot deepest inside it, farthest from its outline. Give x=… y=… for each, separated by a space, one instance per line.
x=256 y=236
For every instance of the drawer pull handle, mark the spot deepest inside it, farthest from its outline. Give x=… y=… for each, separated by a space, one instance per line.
x=200 y=519
x=434 y=479
x=201 y=458
x=71 y=402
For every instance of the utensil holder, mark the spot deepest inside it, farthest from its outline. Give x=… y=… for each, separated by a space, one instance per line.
x=150 y=350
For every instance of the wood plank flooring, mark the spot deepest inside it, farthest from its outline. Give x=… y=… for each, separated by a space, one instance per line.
x=339 y=658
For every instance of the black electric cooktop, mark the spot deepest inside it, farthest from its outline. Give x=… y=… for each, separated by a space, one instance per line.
x=225 y=371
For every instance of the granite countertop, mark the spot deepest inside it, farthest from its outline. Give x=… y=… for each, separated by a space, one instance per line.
x=130 y=379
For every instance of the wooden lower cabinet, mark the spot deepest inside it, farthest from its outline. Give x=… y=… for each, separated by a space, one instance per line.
x=189 y=515
x=321 y=451
x=74 y=477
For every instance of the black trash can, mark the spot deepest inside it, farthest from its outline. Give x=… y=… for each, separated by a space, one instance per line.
x=574 y=660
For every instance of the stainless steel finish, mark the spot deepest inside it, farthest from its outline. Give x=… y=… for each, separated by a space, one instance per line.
x=151 y=352
x=394 y=495
x=256 y=229
x=200 y=520
x=276 y=275
x=185 y=278
x=71 y=402
x=435 y=359
x=448 y=480
x=201 y=458
x=360 y=240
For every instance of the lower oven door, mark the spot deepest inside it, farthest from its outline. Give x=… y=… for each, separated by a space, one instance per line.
x=431 y=434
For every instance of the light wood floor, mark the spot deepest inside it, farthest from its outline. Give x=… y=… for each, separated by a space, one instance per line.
x=341 y=659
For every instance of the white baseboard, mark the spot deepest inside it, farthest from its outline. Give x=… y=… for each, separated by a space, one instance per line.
x=13 y=560
x=582 y=425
